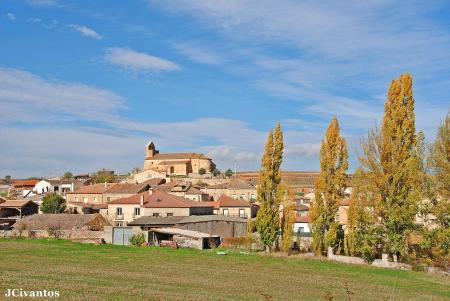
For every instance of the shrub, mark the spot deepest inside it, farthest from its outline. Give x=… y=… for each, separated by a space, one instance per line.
x=137 y=239
x=202 y=171
x=240 y=242
x=53 y=203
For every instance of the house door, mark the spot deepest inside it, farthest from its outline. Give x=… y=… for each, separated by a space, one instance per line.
x=121 y=235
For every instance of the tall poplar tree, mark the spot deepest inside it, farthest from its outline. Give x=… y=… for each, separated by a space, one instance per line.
x=439 y=163
x=391 y=162
x=329 y=188
x=270 y=192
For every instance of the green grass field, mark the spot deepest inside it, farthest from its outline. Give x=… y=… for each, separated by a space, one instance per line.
x=89 y=272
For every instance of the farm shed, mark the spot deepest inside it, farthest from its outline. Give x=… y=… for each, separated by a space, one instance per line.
x=183 y=238
x=221 y=225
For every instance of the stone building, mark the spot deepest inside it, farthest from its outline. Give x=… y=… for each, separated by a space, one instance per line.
x=175 y=163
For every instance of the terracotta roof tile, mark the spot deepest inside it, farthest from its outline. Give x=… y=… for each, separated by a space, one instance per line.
x=226 y=201
x=91 y=189
x=160 y=199
x=303 y=219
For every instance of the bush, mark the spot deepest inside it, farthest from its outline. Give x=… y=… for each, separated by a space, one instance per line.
x=240 y=242
x=202 y=171
x=137 y=239
x=53 y=203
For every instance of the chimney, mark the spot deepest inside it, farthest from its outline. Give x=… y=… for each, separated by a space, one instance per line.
x=142 y=200
x=150 y=191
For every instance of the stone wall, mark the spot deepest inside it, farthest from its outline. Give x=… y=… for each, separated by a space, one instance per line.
x=79 y=235
x=344 y=259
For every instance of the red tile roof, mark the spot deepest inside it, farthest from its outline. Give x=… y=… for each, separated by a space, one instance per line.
x=93 y=189
x=160 y=199
x=24 y=183
x=226 y=201
x=176 y=156
x=303 y=219
x=126 y=188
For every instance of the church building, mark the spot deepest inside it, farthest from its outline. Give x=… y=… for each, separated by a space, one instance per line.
x=175 y=163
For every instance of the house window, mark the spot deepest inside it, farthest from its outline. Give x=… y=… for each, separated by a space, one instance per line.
x=301 y=229
x=76 y=199
x=155 y=214
x=244 y=197
x=56 y=188
x=225 y=211
x=234 y=196
x=108 y=198
x=95 y=199
x=253 y=197
x=119 y=224
x=75 y=210
x=119 y=211
x=85 y=200
x=169 y=214
x=241 y=212
x=137 y=211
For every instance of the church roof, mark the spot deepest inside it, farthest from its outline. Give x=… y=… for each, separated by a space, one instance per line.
x=172 y=156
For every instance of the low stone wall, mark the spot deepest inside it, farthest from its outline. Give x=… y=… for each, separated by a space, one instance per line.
x=79 y=235
x=385 y=263
x=344 y=259
x=382 y=263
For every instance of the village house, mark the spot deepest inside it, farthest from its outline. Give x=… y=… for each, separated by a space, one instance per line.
x=229 y=206
x=301 y=224
x=181 y=164
x=154 y=203
x=94 y=198
x=23 y=188
x=184 y=189
x=239 y=190
x=60 y=186
x=91 y=194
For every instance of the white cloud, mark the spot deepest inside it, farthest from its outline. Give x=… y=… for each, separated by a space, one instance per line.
x=342 y=55
x=11 y=16
x=138 y=61
x=25 y=96
x=42 y=130
x=86 y=31
x=303 y=149
x=200 y=54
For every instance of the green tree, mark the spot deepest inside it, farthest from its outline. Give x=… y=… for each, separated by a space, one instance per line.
x=67 y=175
x=53 y=203
x=287 y=224
x=439 y=161
x=436 y=241
x=103 y=176
x=361 y=238
x=270 y=193
x=329 y=189
x=216 y=172
x=202 y=171
x=229 y=173
x=391 y=162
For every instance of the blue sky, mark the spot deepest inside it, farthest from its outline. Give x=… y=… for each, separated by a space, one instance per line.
x=85 y=84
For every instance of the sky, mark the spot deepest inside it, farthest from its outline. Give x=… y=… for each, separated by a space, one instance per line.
x=84 y=85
